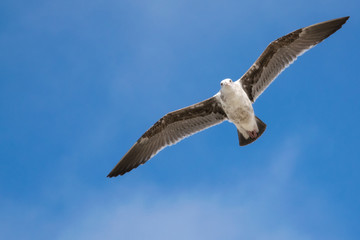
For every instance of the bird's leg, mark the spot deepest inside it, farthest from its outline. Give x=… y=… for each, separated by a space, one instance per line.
x=252 y=134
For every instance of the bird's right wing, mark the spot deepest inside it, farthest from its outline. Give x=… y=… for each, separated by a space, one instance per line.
x=282 y=52
x=169 y=130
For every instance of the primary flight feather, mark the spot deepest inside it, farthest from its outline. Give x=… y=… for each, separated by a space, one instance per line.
x=233 y=102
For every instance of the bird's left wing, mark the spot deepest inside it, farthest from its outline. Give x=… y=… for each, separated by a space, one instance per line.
x=282 y=52
x=169 y=130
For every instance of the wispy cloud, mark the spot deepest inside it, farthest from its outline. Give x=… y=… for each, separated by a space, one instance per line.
x=256 y=209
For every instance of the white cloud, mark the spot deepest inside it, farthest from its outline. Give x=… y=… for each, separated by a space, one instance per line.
x=255 y=209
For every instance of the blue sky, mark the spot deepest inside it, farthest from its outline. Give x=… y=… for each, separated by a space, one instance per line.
x=80 y=81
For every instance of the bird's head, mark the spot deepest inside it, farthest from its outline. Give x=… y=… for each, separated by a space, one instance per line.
x=226 y=82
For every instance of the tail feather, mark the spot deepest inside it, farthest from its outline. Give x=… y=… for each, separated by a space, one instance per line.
x=243 y=141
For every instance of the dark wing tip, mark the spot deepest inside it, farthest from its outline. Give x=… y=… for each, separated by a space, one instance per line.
x=111 y=174
x=336 y=21
x=121 y=169
x=329 y=26
x=116 y=172
x=344 y=18
x=340 y=21
x=138 y=153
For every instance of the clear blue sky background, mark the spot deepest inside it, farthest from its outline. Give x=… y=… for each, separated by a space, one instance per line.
x=80 y=81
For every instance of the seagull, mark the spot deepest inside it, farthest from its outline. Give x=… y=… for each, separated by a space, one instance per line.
x=232 y=103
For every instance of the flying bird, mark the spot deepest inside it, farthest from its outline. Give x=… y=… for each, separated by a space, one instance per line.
x=232 y=103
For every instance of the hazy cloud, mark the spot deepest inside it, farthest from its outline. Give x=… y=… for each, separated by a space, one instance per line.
x=230 y=213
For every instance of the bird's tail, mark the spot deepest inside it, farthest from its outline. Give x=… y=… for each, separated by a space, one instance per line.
x=243 y=141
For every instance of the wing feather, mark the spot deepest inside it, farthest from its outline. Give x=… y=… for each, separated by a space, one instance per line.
x=170 y=129
x=284 y=51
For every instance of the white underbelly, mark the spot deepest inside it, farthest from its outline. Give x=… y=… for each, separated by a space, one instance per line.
x=238 y=109
x=239 y=115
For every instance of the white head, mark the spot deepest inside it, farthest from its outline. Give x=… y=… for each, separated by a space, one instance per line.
x=226 y=82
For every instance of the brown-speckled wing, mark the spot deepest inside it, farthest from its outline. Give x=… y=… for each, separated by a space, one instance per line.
x=170 y=129
x=282 y=52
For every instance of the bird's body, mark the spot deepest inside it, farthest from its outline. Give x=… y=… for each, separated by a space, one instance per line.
x=237 y=106
x=233 y=102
